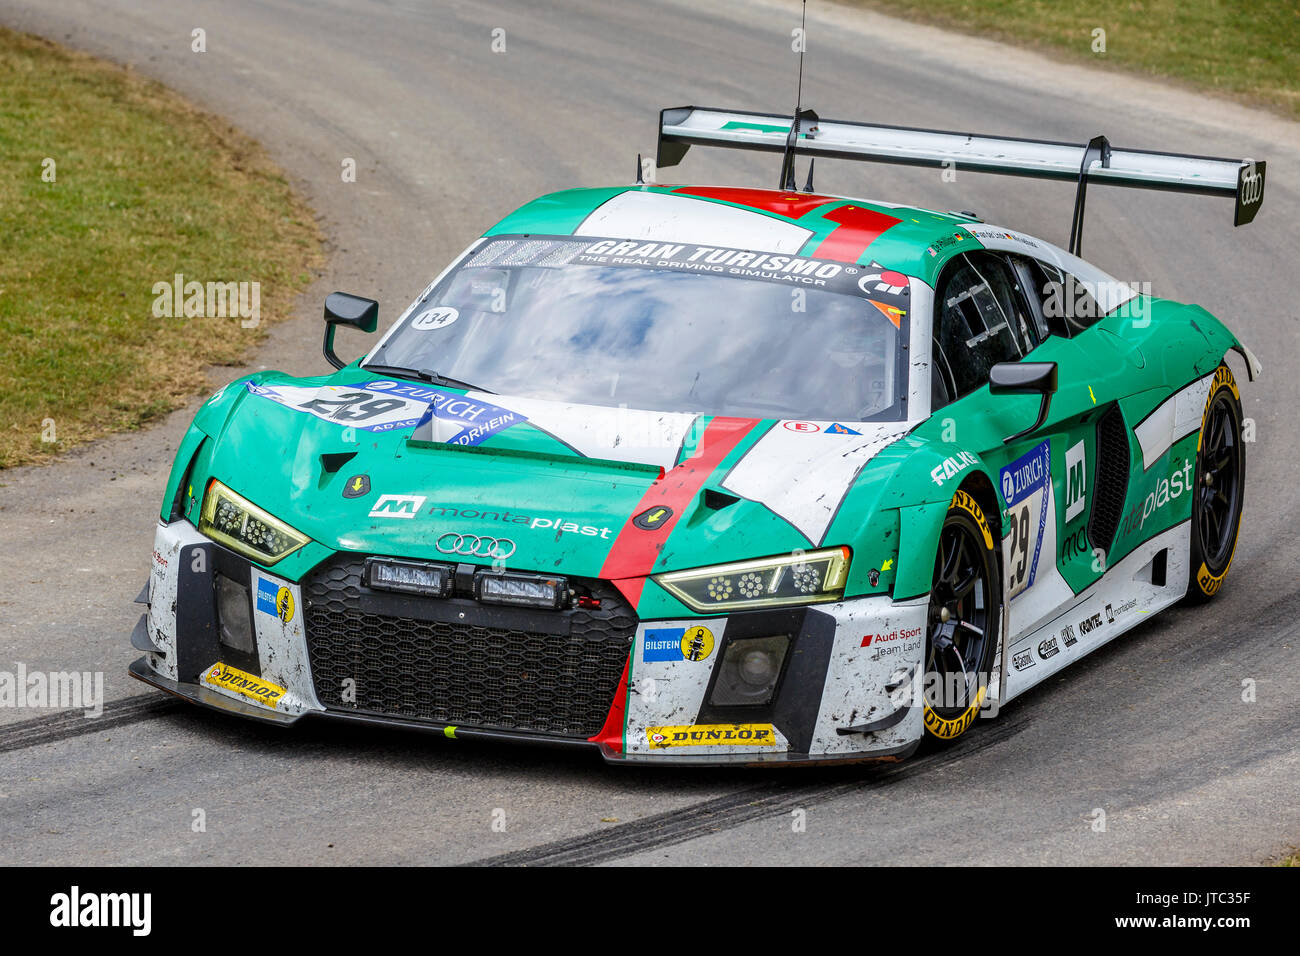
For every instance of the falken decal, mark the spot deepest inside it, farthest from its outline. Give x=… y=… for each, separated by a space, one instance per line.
x=1026 y=487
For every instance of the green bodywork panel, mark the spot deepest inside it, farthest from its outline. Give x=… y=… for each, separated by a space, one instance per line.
x=520 y=478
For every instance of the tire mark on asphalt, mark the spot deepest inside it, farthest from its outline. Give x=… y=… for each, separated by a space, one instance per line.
x=74 y=723
x=724 y=813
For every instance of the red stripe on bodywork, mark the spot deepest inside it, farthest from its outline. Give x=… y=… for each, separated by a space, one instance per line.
x=792 y=205
x=858 y=228
x=635 y=550
x=611 y=734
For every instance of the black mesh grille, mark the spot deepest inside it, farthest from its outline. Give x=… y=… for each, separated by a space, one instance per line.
x=507 y=678
x=1112 y=479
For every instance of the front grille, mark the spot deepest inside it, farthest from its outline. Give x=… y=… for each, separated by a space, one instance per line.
x=1112 y=479
x=547 y=672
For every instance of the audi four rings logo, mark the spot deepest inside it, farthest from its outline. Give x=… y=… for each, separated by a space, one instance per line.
x=475 y=545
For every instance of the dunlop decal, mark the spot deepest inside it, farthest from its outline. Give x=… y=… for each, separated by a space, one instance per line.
x=711 y=735
x=244 y=684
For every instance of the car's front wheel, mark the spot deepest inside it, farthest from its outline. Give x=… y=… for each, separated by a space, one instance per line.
x=964 y=622
x=1218 y=490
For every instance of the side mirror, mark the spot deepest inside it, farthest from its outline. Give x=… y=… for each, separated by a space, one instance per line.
x=1025 y=378
x=352 y=310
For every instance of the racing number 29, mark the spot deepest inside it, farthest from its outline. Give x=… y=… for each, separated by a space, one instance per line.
x=342 y=409
x=1018 y=563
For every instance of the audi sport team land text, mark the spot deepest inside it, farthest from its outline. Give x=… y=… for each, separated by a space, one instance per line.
x=715 y=475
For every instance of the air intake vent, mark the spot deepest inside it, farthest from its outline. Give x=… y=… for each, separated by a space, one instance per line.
x=1112 y=479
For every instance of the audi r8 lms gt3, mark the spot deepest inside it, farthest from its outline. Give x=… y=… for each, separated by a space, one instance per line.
x=693 y=474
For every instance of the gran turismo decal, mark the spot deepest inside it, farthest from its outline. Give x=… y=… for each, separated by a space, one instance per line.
x=887 y=290
x=711 y=735
x=244 y=684
x=1026 y=485
x=834 y=276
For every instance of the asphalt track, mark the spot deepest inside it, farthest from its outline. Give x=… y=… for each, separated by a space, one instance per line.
x=449 y=136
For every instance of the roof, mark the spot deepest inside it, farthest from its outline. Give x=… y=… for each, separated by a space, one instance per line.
x=903 y=238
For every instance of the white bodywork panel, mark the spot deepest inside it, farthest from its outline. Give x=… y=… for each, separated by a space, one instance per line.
x=164 y=570
x=671 y=692
x=682 y=218
x=282 y=647
x=1118 y=601
x=1175 y=418
x=803 y=476
x=600 y=431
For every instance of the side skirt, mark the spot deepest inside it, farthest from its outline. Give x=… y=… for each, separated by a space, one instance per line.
x=1146 y=581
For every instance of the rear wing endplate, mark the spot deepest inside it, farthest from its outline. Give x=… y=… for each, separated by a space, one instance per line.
x=1097 y=162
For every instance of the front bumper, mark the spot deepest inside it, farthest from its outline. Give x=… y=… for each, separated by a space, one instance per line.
x=830 y=703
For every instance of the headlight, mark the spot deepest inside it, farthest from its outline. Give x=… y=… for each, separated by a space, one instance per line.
x=801 y=578
x=242 y=526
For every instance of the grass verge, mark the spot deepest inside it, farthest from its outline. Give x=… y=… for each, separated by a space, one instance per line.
x=109 y=184
x=1247 y=51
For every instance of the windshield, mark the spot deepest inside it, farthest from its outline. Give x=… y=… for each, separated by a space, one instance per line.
x=670 y=327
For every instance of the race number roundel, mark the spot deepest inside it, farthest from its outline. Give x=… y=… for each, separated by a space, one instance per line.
x=439 y=317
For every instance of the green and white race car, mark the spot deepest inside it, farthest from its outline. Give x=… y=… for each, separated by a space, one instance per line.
x=695 y=474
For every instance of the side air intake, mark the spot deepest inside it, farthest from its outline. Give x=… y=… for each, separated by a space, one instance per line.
x=1112 y=479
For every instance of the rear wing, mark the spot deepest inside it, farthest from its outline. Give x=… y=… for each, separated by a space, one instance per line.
x=1097 y=162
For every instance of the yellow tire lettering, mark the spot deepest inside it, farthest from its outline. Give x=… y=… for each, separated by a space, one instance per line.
x=1208 y=582
x=968 y=504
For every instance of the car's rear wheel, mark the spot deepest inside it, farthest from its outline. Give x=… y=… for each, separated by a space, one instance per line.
x=964 y=621
x=1218 y=489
